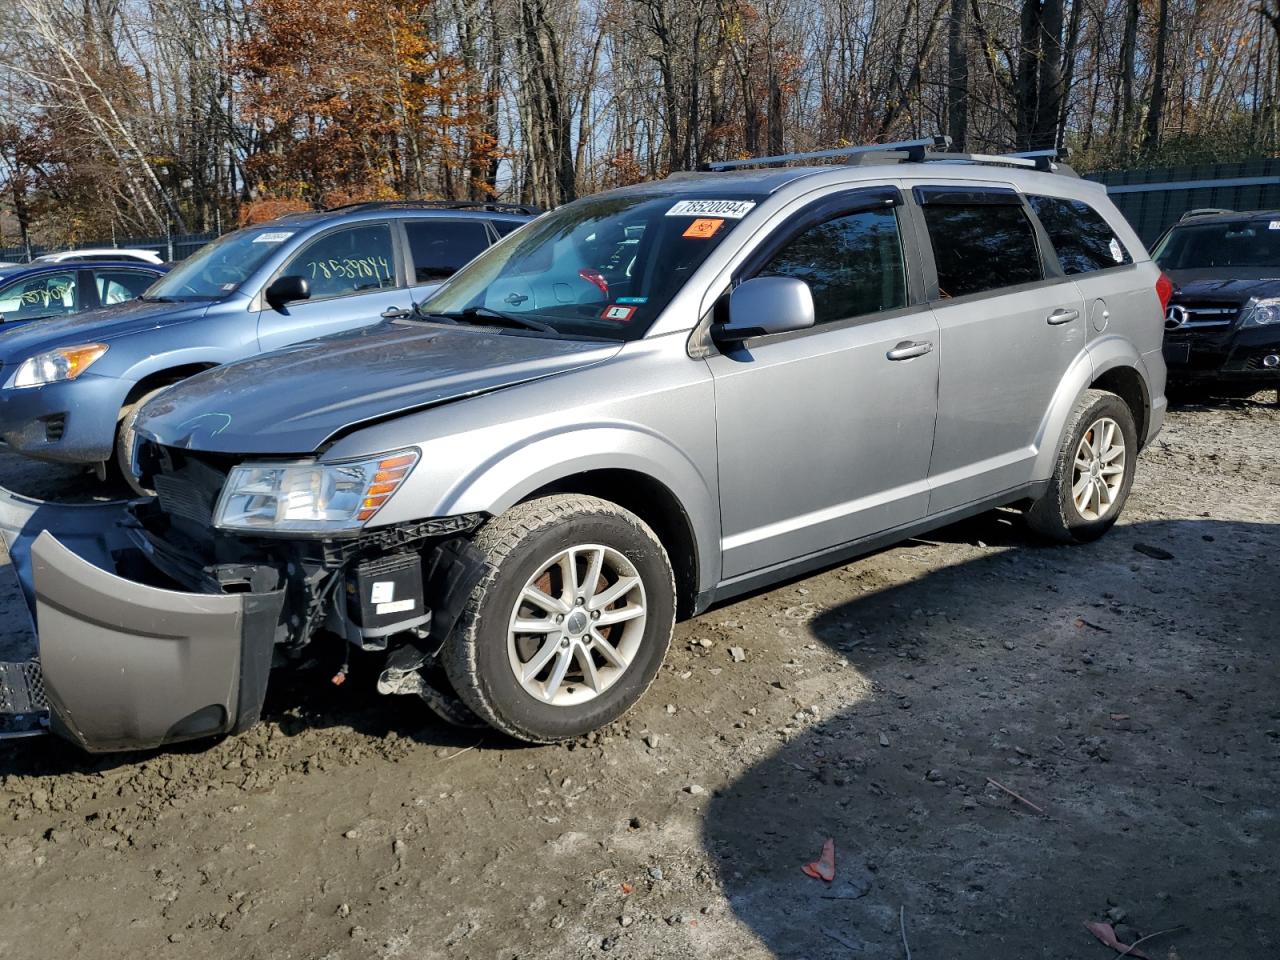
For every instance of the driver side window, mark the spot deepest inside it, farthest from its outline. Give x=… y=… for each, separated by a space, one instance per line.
x=852 y=263
x=50 y=295
x=356 y=260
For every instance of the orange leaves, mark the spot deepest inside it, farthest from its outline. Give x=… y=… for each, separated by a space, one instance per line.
x=356 y=100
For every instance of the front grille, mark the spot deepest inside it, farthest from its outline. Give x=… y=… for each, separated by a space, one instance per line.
x=22 y=688
x=1184 y=315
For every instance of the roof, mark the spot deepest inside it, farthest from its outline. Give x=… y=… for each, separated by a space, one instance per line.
x=16 y=270
x=1229 y=216
x=401 y=209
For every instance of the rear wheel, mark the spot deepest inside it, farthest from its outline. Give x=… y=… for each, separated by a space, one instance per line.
x=570 y=623
x=1093 y=472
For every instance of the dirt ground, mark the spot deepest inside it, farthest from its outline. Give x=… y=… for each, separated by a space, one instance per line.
x=1131 y=696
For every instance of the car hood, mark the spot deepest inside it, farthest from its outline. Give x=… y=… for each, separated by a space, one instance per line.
x=293 y=400
x=94 y=326
x=1227 y=286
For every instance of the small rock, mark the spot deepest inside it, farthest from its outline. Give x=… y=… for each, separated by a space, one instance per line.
x=175 y=937
x=655 y=873
x=884 y=740
x=694 y=790
x=651 y=741
x=671 y=709
x=625 y=921
x=352 y=834
x=969 y=803
x=1117 y=914
x=737 y=654
x=608 y=943
x=344 y=910
x=1008 y=645
x=398 y=847
x=1156 y=553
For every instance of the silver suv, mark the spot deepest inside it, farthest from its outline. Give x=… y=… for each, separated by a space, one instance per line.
x=635 y=406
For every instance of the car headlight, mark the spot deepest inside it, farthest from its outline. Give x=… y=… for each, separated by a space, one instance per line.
x=1262 y=313
x=310 y=497
x=65 y=363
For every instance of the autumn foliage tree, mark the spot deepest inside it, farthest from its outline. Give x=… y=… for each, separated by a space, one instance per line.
x=352 y=100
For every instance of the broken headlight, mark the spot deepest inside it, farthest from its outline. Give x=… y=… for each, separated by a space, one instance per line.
x=310 y=497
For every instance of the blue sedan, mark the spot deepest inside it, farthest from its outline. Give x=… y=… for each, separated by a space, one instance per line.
x=39 y=291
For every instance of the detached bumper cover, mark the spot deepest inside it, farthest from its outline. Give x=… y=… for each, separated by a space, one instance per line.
x=127 y=665
x=121 y=664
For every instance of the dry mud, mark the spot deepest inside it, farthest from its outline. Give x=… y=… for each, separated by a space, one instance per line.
x=1132 y=699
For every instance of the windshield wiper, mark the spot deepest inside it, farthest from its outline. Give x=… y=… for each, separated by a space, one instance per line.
x=478 y=314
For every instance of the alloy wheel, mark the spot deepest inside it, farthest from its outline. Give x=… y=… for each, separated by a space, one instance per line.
x=577 y=625
x=1098 y=472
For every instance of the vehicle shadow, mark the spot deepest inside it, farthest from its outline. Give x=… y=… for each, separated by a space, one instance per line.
x=1130 y=698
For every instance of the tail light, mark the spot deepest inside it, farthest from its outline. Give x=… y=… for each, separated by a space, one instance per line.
x=1164 y=290
x=595 y=277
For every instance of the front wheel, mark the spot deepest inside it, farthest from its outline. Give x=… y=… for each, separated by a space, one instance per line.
x=1093 y=472
x=126 y=439
x=570 y=623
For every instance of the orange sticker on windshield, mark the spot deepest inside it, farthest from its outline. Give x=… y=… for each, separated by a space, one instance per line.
x=703 y=228
x=618 y=314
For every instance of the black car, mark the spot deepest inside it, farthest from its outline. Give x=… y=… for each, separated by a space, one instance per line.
x=1222 y=326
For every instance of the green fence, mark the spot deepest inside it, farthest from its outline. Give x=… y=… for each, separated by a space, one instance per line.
x=1153 y=200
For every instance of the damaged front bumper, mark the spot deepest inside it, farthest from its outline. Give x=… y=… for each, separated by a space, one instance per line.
x=120 y=663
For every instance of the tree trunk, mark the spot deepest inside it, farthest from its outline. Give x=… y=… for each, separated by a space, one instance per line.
x=957 y=75
x=1155 y=111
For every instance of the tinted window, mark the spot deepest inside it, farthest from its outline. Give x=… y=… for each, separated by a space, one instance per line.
x=1235 y=244
x=1083 y=240
x=355 y=260
x=438 y=248
x=506 y=226
x=852 y=264
x=117 y=286
x=49 y=295
x=981 y=247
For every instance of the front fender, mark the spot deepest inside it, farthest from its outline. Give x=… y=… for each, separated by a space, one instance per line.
x=499 y=481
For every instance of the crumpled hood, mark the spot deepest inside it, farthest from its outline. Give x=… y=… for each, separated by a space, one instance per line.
x=1227 y=286
x=94 y=326
x=293 y=400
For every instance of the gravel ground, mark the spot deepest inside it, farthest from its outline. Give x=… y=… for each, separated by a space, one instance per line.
x=1130 y=696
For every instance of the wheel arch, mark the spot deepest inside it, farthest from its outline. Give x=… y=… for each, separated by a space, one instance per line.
x=165 y=376
x=1130 y=386
x=655 y=504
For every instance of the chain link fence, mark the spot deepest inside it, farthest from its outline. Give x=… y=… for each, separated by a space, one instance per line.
x=170 y=248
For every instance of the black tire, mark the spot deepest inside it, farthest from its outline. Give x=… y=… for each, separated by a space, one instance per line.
x=515 y=545
x=122 y=456
x=1055 y=514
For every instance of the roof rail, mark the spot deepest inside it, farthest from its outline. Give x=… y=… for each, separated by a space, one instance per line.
x=1204 y=212
x=491 y=206
x=926 y=149
x=913 y=148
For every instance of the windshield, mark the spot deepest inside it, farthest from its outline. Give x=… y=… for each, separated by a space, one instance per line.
x=600 y=267
x=1240 y=244
x=218 y=268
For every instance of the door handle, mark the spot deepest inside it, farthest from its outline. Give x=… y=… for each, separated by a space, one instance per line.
x=1063 y=315
x=396 y=313
x=909 y=348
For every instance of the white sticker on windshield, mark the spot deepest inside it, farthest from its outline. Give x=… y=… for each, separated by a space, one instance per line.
x=1274 y=225
x=729 y=209
x=1117 y=252
x=276 y=237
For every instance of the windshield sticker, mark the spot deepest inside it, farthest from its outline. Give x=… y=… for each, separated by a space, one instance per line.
x=1117 y=252
x=1274 y=225
x=728 y=209
x=228 y=287
x=618 y=314
x=633 y=299
x=278 y=236
x=702 y=229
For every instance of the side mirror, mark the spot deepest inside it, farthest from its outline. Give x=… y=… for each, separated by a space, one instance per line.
x=287 y=290
x=765 y=305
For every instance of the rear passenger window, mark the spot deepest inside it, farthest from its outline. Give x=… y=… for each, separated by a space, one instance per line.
x=981 y=246
x=438 y=248
x=1083 y=240
x=852 y=264
x=119 y=286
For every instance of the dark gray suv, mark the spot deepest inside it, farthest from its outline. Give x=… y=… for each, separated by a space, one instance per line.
x=642 y=403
